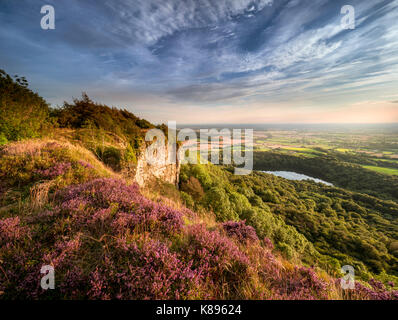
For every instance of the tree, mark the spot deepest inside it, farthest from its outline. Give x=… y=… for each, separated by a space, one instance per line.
x=23 y=113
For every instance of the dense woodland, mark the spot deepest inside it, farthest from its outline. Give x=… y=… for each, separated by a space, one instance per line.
x=333 y=169
x=344 y=227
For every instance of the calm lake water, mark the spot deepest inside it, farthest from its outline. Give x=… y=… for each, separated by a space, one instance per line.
x=296 y=176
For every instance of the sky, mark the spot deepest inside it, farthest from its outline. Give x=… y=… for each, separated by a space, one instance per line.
x=211 y=61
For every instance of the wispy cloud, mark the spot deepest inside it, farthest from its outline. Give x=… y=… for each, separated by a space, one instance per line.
x=212 y=55
x=150 y=20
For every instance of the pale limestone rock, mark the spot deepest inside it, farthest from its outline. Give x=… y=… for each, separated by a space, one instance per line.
x=163 y=169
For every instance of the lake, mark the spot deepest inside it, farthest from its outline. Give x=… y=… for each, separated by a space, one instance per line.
x=296 y=176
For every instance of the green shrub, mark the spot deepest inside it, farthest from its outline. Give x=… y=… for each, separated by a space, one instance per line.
x=3 y=139
x=286 y=250
x=23 y=113
x=187 y=199
x=130 y=155
x=217 y=199
x=85 y=113
x=193 y=187
x=111 y=156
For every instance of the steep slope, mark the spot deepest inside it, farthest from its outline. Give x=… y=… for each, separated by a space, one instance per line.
x=106 y=240
x=116 y=137
x=322 y=225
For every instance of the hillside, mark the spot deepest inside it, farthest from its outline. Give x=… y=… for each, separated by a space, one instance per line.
x=62 y=206
x=68 y=199
x=322 y=225
x=23 y=113
x=105 y=240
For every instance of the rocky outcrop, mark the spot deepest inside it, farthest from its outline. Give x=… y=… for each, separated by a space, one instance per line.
x=161 y=167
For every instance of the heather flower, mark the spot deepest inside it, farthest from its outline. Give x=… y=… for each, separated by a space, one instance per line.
x=98 y=290
x=240 y=231
x=121 y=206
x=57 y=170
x=11 y=230
x=302 y=284
x=376 y=292
x=85 y=164
x=101 y=193
x=377 y=285
x=73 y=205
x=216 y=258
x=74 y=284
x=150 y=271
x=268 y=243
x=106 y=241
x=20 y=274
x=63 y=253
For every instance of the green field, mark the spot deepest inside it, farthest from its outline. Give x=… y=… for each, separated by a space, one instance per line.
x=390 y=160
x=308 y=155
x=343 y=150
x=382 y=170
x=300 y=149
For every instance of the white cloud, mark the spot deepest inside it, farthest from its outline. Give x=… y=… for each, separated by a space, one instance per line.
x=150 y=20
x=209 y=52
